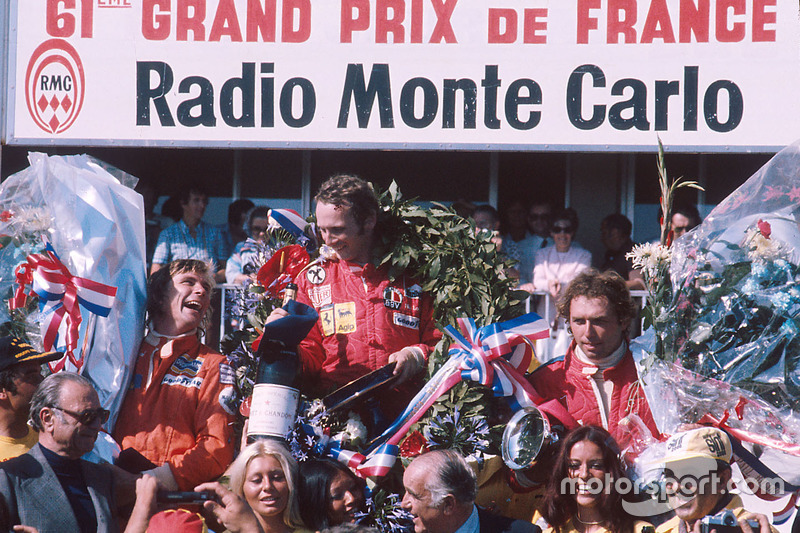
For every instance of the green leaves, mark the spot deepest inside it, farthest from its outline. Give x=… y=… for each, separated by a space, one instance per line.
x=462 y=270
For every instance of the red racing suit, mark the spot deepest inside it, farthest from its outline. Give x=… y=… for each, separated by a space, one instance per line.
x=175 y=412
x=570 y=381
x=364 y=318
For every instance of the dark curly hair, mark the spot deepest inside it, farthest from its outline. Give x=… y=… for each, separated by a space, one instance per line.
x=345 y=190
x=593 y=284
x=559 y=505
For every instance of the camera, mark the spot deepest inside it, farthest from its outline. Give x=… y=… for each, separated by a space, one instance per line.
x=181 y=497
x=725 y=522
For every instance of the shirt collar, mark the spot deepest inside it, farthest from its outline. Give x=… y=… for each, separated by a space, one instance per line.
x=608 y=362
x=158 y=340
x=472 y=525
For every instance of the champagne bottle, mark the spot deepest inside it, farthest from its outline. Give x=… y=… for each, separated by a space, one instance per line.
x=289 y=293
x=275 y=394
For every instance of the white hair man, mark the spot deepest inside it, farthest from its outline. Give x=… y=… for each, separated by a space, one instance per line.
x=440 y=494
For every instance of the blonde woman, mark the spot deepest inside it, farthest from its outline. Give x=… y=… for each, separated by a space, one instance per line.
x=265 y=474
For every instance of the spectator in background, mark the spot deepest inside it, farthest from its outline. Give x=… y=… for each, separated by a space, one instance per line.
x=236 y=230
x=487 y=220
x=463 y=208
x=554 y=267
x=540 y=216
x=615 y=231
x=171 y=210
x=237 y=268
x=20 y=375
x=525 y=242
x=685 y=217
x=190 y=237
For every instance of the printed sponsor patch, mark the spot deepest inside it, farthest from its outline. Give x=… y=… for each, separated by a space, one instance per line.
x=183 y=372
x=327 y=320
x=320 y=295
x=392 y=298
x=405 y=320
x=183 y=381
x=345 y=317
x=227 y=375
x=315 y=274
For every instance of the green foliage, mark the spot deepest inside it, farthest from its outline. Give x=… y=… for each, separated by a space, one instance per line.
x=462 y=270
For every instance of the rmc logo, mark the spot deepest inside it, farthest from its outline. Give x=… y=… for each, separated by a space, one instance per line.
x=54 y=85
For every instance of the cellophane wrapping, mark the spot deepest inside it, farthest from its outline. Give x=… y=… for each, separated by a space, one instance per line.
x=95 y=222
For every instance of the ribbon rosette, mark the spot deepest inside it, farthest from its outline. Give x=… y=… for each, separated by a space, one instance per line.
x=292 y=222
x=496 y=356
x=60 y=296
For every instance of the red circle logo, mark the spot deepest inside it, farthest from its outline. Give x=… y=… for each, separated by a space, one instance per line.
x=54 y=85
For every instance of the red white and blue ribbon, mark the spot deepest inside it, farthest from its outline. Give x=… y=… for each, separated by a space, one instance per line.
x=377 y=464
x=291 y=221
x=496 y=356
x=60 y=297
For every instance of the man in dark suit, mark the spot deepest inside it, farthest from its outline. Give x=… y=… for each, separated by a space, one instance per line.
x=440 y=494
x=51 y=488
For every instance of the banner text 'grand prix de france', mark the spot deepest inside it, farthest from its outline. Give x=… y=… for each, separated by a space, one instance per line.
x=476 y=74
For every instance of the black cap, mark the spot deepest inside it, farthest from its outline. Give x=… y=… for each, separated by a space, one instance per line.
x=14 y=351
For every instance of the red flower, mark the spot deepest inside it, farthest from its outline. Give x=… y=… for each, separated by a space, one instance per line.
x=5 y=216
x=413 y=445
x=764 y=228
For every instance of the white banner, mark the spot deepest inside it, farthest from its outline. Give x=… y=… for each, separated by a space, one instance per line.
x=711 y=75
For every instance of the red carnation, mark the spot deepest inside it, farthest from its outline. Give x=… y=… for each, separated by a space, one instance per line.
x=764 y=228
x=413 y=445
x=5 y=216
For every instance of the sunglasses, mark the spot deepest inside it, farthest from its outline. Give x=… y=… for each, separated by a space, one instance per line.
x=88 y=416
x=562 y=229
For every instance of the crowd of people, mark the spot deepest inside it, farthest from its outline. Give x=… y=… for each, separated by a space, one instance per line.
x=175 y=426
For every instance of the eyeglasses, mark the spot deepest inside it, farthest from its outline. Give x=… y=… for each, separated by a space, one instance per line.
x=88 y=416
x=562 y=229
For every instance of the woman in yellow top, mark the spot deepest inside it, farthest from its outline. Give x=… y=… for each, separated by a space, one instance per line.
x=581 y=494
x=265 y=474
